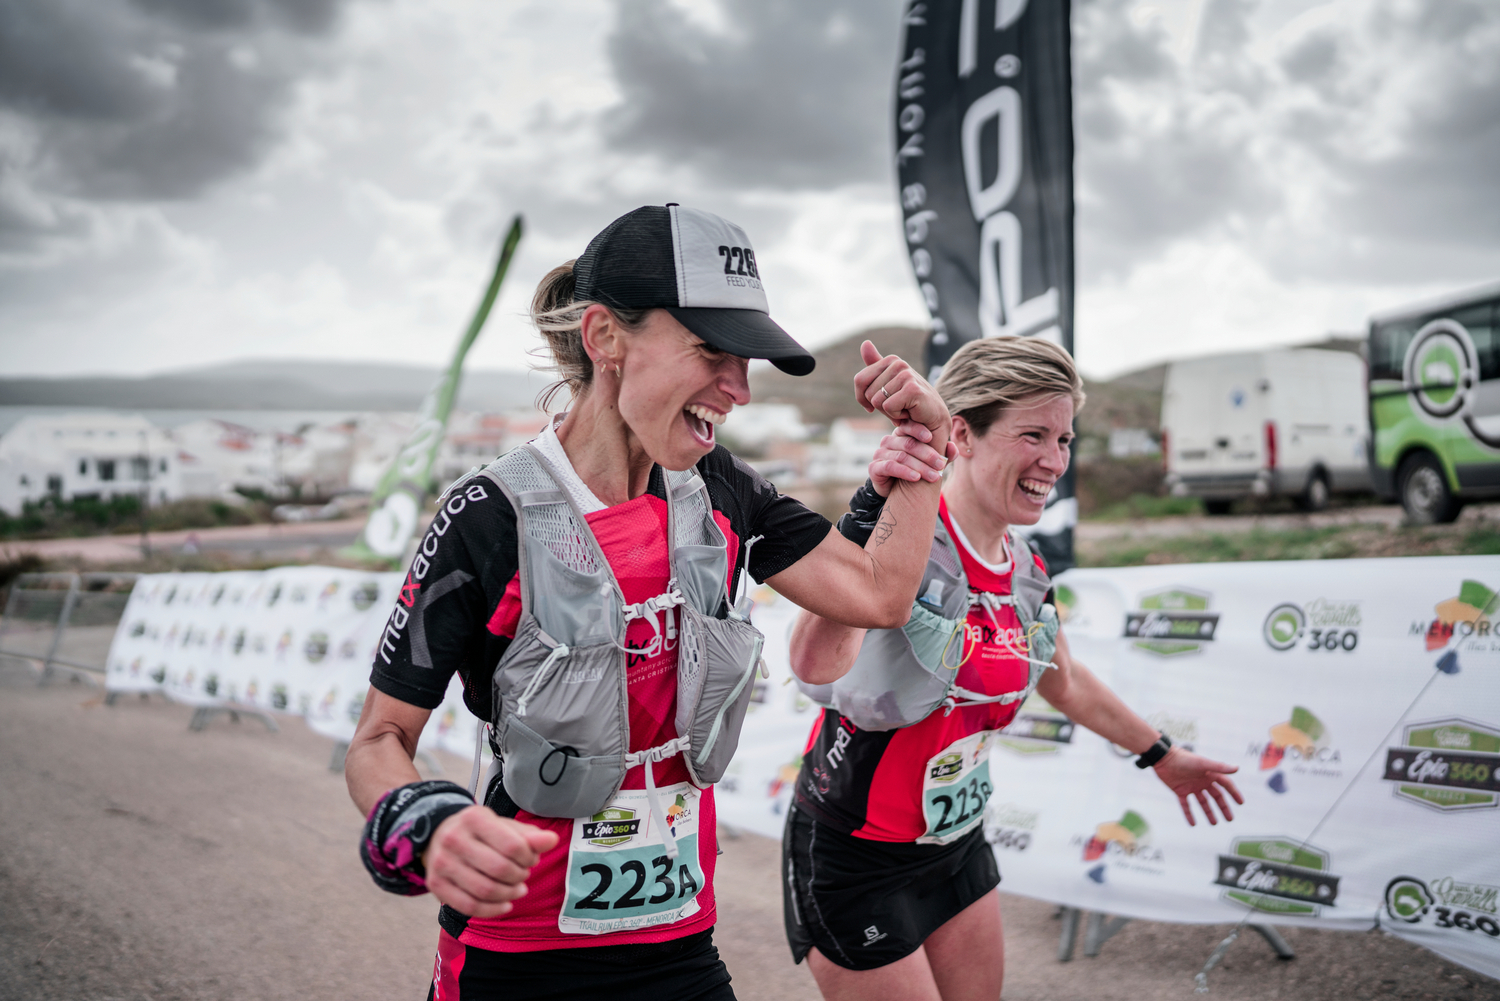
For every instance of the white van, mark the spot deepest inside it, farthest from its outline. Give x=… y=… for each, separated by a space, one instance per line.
x=1287 y=422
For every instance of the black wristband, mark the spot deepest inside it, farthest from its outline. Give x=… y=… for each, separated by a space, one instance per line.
x=1155 y=752
x=401 y=826
x=864 y=513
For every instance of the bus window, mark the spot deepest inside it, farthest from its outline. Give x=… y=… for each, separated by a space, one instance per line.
x=1479 y=321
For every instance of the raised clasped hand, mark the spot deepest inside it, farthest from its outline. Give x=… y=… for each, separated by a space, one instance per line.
x=478 y=861
x=905 y=454
x=890 y=386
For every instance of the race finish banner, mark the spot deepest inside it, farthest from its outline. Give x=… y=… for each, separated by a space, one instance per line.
x=984 y=156
x=398 y=497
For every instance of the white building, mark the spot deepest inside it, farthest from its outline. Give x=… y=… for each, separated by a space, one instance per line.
x=851 y=446
x=241 y=456
x=96 y=455
x=757 y=424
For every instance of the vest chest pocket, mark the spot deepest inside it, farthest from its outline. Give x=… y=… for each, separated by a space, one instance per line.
x=560 y=755
x=717 y=661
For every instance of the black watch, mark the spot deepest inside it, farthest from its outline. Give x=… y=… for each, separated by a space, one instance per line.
x=1155 y=752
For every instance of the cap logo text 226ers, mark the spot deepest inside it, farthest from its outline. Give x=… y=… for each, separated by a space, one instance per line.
x=739 y=265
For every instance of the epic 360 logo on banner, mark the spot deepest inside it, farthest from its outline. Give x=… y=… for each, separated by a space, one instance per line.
x=1277 y=875
x=1448 y=765
x=1172 y=621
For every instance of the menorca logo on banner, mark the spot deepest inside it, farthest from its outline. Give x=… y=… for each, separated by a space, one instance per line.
x=984 y=156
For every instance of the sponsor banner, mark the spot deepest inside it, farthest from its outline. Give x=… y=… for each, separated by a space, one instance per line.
x=1304 y=675
x=296 y=640
x=984 y=158
x=1369 y=684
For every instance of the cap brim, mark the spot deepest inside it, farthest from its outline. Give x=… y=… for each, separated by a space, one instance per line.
x=748 y=333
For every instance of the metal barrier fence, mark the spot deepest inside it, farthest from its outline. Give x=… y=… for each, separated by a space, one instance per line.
x=64 y=621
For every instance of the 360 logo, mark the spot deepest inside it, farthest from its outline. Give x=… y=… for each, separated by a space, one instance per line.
x=1443 y=903
x=1448 y=765
x=1326 y=625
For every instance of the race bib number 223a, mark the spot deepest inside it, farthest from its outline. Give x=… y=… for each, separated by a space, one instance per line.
x=620 y=876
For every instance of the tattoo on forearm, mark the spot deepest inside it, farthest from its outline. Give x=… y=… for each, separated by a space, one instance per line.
x=885 y=528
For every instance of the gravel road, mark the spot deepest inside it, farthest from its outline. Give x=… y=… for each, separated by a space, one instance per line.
x=140 y=860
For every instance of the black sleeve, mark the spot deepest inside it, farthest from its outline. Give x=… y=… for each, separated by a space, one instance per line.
x=441 y=621
x=789 y=529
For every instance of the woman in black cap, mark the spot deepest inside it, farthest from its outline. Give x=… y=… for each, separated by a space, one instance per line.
x=651 y=330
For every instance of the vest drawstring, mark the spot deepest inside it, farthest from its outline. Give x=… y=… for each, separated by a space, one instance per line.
x=649 y=758
x=558 y=653
x=478 y=753
x=739 y=608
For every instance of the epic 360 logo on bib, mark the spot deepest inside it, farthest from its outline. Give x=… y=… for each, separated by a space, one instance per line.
x=620 y=876
x=955 y=787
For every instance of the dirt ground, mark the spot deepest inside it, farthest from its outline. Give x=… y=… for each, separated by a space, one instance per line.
x=140 y=860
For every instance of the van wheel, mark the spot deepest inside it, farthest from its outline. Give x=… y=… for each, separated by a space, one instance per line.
x=1425 y=493
x=1315 y=496
x=1217 y=506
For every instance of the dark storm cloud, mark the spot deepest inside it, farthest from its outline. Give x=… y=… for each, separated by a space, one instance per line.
x=1187 y=169
x=1438 y=183
x=148 y=99
x=790 y=94
x=1362 y=150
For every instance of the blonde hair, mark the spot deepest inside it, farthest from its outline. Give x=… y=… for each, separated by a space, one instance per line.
x=985 y=376
x=559 y=319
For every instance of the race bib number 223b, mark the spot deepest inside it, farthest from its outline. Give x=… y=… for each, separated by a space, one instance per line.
x=955 y=787
x=620 y=876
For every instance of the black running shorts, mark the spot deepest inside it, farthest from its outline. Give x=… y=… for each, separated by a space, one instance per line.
x=684 y=969
x=865 y=904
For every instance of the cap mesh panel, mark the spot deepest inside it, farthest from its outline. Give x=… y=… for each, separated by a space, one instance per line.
x=629 y=265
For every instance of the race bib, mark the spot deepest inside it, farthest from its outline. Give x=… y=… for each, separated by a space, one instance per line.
x=955 y=787
x=620 y=877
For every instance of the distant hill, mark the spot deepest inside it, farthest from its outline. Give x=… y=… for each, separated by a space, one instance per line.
x=275 y=384
x=828 y=393
x=1130 y=400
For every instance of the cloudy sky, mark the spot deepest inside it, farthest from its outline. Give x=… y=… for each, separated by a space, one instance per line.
x=186 y=182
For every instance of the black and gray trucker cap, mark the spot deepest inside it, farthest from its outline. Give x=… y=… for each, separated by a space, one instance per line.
x=697 y=266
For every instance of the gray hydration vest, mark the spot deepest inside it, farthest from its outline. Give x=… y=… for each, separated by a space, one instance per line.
x=901 y=676
x=561 y=723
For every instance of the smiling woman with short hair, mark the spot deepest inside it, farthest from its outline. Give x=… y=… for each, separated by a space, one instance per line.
x=889 y=885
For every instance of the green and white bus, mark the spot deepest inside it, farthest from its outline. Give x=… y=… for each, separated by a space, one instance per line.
x=1435 y=403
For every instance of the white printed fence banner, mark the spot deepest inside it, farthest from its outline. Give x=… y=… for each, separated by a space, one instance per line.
x=1359 y=698
x=293 y=639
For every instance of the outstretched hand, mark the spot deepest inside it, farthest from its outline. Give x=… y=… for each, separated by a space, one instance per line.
x=889 y=385
x=1192 y=776
x=905 y=454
